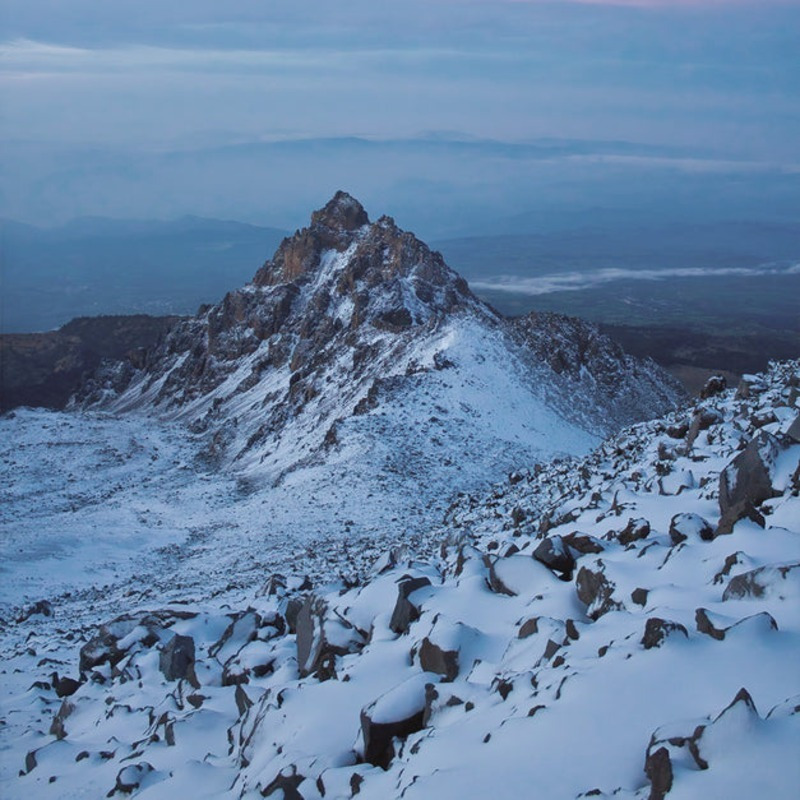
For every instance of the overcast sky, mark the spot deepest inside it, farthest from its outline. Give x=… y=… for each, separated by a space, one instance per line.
x=716 y=81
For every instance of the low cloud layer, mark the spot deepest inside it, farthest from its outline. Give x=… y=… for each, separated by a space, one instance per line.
x=576 y=281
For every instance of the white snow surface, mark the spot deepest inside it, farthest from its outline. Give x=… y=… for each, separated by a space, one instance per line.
x=107 y=516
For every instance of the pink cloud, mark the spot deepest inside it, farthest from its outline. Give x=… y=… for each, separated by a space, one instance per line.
x=673 y=3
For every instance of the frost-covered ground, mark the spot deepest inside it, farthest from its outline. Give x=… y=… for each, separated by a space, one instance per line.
x=609 y=664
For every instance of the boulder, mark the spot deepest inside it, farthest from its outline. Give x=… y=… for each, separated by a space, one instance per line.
x=757 y=582
x=706 y=626
x=639 y=596
x=658 y=768
x=514 y=575
x=130 y=778
x=702 y=420
x=581 y=544
x=57 y=728
x=320 y=639
x=596 y=591
x=686 y=525
x=448 y=648
x=556 y=556
x=42 y=607
x=242 y=629
x=64 y=687
x=433 y=658
x=763 y=620
x=793 y=431
x=656 y=630
x=714 y=386
x=635 y=530
x=396 y=714
x=405 y=611
x=100 y=649
x=291 y=612
x=747 y=481
x=176 y=660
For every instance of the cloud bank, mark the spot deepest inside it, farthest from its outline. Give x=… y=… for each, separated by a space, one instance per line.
x=577 y=281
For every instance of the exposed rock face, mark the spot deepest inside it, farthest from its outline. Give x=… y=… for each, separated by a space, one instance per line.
x=596 y=591
x=176 y=660
x=320 y=638
x=397 y=714
x=433 y=658
x=747 y=481
x=573 y=347
x=635 y=530
x=405 y=612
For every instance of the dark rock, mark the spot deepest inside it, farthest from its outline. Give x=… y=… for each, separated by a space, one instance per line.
x=581 y=544
x=701 y=421
x=286 y=782
x=292 y=610
x=550 y=649
x=756 y=582
x=704 y=625
x=684 y=525
x=130 y=778
x=596 y=591
x=639 y=596
x=658 y=768
x=656 y=630
x=635 y=530
x=405 y=612
x=42 y=607
x=730 y=562
x=379 y=725
x=678 y=431
x=316 y=653
x=572 y=630
x=433 y=658
x=100 y=649
x=176 y=660
x=747 y=481
x=793 y=432
x=57 y=728
x=714 y=386
x=517 y=516
x=555 y=555
x=64 y=687
x=528 y=628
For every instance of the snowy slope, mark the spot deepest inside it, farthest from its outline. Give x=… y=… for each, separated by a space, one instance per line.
x=643 y=652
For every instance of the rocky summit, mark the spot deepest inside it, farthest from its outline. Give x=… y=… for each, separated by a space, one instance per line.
x=356 y=325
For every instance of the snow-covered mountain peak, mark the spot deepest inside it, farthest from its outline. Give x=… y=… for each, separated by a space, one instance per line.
x=357 y=344
x=364 y=272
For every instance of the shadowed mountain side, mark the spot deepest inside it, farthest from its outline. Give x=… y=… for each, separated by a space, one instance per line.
x=44 y=369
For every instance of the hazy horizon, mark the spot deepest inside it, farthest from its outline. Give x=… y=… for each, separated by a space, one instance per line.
x=450 y=115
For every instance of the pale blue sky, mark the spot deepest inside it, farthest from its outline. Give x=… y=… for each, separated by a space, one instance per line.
x=91 y=92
